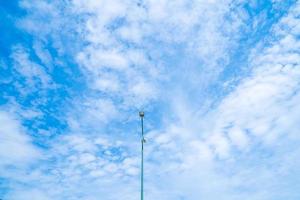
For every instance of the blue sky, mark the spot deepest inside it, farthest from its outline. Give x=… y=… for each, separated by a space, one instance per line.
x=219 y=82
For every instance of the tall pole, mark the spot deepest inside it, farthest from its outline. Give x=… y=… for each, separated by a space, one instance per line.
x=142 y=114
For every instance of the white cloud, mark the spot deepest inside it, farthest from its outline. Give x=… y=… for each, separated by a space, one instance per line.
x=33 y=194
x=100 y=110
x=43 y=54
x=16 y=148
x=238 y=138
x=111 y=27
x=34 y=74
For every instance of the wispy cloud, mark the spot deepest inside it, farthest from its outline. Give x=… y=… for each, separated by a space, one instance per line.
x=16 y=146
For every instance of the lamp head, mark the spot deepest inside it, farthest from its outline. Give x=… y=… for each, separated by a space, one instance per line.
x=142 y=114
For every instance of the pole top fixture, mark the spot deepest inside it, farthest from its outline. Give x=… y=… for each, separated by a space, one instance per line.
x=142 y=114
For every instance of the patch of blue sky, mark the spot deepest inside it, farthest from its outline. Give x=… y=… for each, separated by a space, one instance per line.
x=9 y=13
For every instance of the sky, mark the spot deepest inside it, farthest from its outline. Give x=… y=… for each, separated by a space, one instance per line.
x=218 y=80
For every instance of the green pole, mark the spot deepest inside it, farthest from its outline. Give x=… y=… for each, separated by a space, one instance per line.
x=142 y=160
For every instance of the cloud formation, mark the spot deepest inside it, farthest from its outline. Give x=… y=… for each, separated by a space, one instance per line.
x=218 y=81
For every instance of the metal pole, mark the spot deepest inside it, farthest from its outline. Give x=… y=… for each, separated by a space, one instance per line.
x=142 y=160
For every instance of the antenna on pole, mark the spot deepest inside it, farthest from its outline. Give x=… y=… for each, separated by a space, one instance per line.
x=142 y=114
